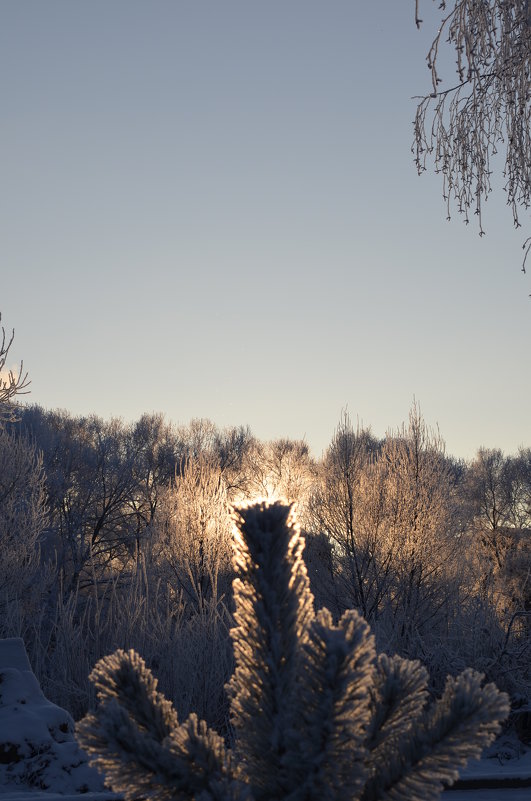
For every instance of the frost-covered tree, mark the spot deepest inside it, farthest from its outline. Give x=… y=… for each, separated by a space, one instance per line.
x=192 y=532
x=491 y=492
x=335 y=511
x=22 y=521
x=499 y=492
x=416 y=529
x=388 y=511
x=101 y=490
x=12 y=382
x=316 y=715
x=485 y=111
x=281 y=468
x=22 y=505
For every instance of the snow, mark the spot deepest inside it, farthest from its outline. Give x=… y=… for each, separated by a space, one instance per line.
x=500 y=769
x=509 y=794
x=519 y=768
x=7 y=794
x=38 y=750
x=13 y=654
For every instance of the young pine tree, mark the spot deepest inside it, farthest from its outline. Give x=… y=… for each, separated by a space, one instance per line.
x=317 y=716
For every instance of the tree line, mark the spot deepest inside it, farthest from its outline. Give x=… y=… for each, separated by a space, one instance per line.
x=118 y=535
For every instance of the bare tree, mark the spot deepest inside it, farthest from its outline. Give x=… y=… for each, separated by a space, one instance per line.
x=334 y=510
x=155 y=453
x=416 y=527
x=500 y=489
x=488 y=108
x=93 y=492
x=489 y=483
x=280 y=468
x=228 y=448
x=22 y=520
x=192 y=532
x=520 y=471
x=23 y=515
x=12 y=383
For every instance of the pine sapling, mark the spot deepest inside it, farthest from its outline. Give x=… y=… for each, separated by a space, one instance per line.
x=316 y=714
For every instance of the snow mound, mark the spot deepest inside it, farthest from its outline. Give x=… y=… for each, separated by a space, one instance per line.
x=38 y=750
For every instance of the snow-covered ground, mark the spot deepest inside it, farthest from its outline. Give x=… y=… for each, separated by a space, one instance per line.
x=38 y=750
x=499 y=770
x=519 y=768
x=520 y=794
x=8 y=794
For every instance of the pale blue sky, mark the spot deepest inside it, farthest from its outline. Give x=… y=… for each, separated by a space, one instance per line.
x=210 y=209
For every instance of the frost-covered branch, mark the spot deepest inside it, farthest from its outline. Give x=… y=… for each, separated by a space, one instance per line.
x=12 y=382
x=462 y=129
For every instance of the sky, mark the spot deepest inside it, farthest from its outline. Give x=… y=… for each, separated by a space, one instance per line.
x=209 y=208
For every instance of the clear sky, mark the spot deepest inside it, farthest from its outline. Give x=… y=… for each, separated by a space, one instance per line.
x=210 y=209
